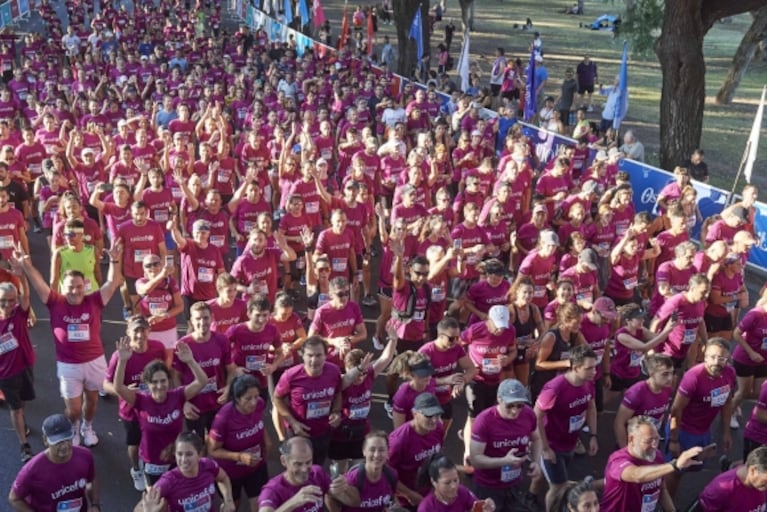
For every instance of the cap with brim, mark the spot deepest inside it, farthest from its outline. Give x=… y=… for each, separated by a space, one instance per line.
x=605 y=307
x=511 y=391
x=57 y=428
x=549 y=238
x=201 y=225
x=539 y=208
x=499 y=315
x=601 y=156
x=428 y=405
x=589 y=257
x=590 y=187
x=423 y=368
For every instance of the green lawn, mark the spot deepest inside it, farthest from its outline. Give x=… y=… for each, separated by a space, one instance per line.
x=725 y=128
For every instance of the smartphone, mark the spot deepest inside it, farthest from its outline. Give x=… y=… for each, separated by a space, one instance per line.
x=708 y=452
x=457 y=243
x=108 y=187
x=334 y=470
x=169 y=260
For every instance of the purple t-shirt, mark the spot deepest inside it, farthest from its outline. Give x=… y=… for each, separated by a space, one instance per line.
x=677 y=279
x=160 y=423
x=213 y=356
x=50 y=487
x=756 y=430
x=408 y=450
x=253 y=350
x=374 y=496
x=726 y=492
x=239 y=432
x=311 y=398
x=684 y=334
x=445 y=362
x=598 y=337
x=753 y=328
x=620 y=496
x=404 y=399
x=183 y=494
x=463 y=502
x=16 y=351
x=278 y=490
x=540 y=270
x=707 y=395
x=133 y=371
x=483 y=297
x=626 y=363
x=485 y=349
x=76 y=328
x=356 y=406
x=330 y=322
x=565 y=406
x=640 y=399
x=499 y=436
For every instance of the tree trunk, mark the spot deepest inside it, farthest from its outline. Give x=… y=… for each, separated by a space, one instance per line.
x=743 y=56
x=680 y=52
x=467 y=15
x=404 y=11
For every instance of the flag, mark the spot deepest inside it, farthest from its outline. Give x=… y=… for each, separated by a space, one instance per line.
x=303 y=11
x=344 y=30
x=753 y=139
x=416 y=32
x=463 y=63
x=531 y=101
x=371 y=32
x=319 y=14
x=288 y=7
x=622 y=103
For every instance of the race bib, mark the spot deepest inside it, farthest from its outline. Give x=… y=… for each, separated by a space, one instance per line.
x=438 y=294
x=359 y=412
x=259 y=286
x=6 y=242
x=201 y=503
x=650 y=501
x=510 y=473
x=587 y=296
x=248 y=226
x=176 y=192
x=217 y=240
x=491 y=366
x=539 y=291
x=161 y=215
x=635 y=359
x=158 y=308
x=312 y=207
x=205 y=275
x=211 y=386
x=689 y=336
x=78 y=332
x=139 y=254
x=8 y=343
x=255 y=363
x=224 y=176
x=70 y=505
x=719 y=396
x=630 y=284
x=315 y=410
x=88 y=286
x=577 y=422
x=322 y=299
x=418 y=316
x=155 y=469
x=339 y=264
x=764 y=343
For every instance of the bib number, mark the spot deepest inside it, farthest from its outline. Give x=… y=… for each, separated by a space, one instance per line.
x=359 y=412
x=78 y=332
x=8 y=343
x=315 y=410
x=510 y=473
x=205 y=275
x=577 y=422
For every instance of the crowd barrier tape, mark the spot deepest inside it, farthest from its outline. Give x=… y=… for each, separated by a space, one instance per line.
x=646 y=181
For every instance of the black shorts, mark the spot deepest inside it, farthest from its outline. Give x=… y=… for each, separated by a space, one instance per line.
x=19 y=388
x=252 y=483
x=718 y=323
x=512 y=94
x=505 y=498
x=132 y=432
x=586 y=88
x=556 y=472
x=495 y=89
x=201 y=425
x=385 y=291
x=447 y=409
x=621 y=384
x=130 y=285
x=296 y=269
x=480 y=396
x=343 y=450
x=758 y=371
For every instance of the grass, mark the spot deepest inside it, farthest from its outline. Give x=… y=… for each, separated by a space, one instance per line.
x=725 y=128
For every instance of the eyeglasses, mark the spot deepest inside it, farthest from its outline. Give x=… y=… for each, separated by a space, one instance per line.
x=342 y=294
x=323 y=269
x=71 y=234
x=511 y=407
x=152 y=264
x=452 y=339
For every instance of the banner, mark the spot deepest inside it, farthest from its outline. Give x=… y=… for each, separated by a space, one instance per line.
x=622 y=103
x=23 y=7
x=5 y=14
x=416 y=32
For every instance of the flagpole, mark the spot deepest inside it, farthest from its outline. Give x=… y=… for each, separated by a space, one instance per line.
x=742 y=166
x=753 y=141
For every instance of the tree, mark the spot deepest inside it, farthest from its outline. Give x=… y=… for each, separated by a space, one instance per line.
x=404 y=11
x=680 y=52
x=743 y=56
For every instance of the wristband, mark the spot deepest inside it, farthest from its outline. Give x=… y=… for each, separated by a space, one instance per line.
x=673 y=465
x=114 y=261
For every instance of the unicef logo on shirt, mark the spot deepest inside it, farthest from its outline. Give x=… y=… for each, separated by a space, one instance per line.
x=175 y=414
x=81 y=483
x=211 y=489
x=167 y=297
x=524 y=440
x=85 y=317
x=330 y=391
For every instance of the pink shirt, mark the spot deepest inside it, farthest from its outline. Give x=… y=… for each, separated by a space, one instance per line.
x=16 y=351
x=621 y=496
x=225 y=317
x=644 y=402
x=183 y=494
x=483 y=296
x=408 y=450
x=753 y=328
x=258 y=272
x=599 y=338
x=213 y=356
x=159 y=301
x=499 y=435
x=12 y=223
x=728 y=287
x=540 y=270
x=337 y=248
x=240 y=432
x=469 y=238
x=445 y=363
x=139 y=242
x=50 y=487
x=583 y=282
x=706 y=395
x=252 y=350
x=159 y=204
x=756 y=430
x=624 y=277
x=76 y=328
x=199 y=268
x=485 y=349
x=330 y=322
x=133 y=371
x=677 y=279
x=311 y=398
x=278 y=490
x=160 y=423
x=374 y=496
x=404 y=399
x=626 y=363
x=463 y=501
x=415 y=329
x=565 y=406
x=726 y=492
x=689 y=317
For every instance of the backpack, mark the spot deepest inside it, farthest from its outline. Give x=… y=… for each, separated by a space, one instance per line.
x=407 y=315
x=361 y=477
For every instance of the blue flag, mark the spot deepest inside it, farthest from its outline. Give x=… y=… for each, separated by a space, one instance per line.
x=531 y=102
x=288 y=12
x=303 y=11
x=416 y=32
x=622 y=104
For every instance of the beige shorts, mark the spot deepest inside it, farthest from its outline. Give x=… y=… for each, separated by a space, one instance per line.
x=168 y=338
x=74 y=378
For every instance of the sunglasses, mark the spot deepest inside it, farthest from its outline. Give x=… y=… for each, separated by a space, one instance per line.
x=323 y=269
x=511 y=407
x=152 y=265
x=452 y=339
x=71 y=234
x=341 y=295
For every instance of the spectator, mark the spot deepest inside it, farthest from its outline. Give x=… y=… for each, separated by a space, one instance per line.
x=698 y=168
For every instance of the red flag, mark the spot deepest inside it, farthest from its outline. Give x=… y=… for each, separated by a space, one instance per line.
x=344 y=30
x=371 y=32
x=319 y=14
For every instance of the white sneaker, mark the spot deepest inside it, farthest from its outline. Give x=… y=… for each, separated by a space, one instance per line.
x=389 y=410
x=90 y=438
x=734 y=423
x=138 y=479
x=377 y=343
x=76 y=438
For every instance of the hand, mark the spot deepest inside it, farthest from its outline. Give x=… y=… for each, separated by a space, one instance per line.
x=223 y=395
x=191 y=411
x=366 y=362
x=341 y=343
x=152 y=500
x=755 y=356
x=249 y=459
x=606 y=381
x=549 y=455
x=338 y=485
x=115 y=251
x=534 y=471
x=184 y=353
x=122 y=346
x=334 y=419
x=299 y=428
x=727 y=440
x=171 y=223
x=307 y=236
x=488 y=505
x=228 y=506
x=593 y=445
x=512 y=459
x=308 y=494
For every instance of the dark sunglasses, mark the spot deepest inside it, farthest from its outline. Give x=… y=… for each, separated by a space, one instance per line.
x=343 y=294
x=152 y=265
